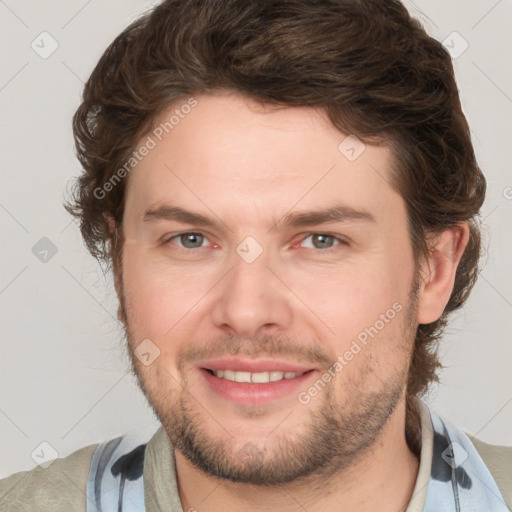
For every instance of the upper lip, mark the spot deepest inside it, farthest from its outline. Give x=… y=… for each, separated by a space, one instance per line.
x=253 y=365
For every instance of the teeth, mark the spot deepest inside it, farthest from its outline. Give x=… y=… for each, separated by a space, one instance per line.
x=256 y=378
x=229 y=374
x=260 y=378
x=242 y=377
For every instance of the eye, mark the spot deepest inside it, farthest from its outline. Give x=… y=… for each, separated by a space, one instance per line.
x=321 y=241
x=188 y=240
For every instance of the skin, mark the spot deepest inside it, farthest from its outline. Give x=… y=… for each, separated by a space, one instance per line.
x=247 y=167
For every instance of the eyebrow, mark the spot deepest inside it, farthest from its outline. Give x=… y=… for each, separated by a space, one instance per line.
x=336 y=213
x=167 y=212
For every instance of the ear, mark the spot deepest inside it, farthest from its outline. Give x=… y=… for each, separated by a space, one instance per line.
x=438 y=272
x=121 y=313
x=111 y=223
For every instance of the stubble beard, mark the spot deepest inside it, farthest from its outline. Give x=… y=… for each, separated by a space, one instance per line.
x=338 y=432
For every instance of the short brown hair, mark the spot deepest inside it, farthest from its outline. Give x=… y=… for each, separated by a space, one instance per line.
x=367 y=63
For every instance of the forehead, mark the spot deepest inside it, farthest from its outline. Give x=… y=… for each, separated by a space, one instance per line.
x=228 y=152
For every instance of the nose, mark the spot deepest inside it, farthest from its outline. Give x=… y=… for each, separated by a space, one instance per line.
x=251 y=300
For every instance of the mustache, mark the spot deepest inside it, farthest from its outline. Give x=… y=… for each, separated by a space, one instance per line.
x=263 y=346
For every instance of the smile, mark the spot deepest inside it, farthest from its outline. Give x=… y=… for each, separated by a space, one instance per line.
x=255 y=378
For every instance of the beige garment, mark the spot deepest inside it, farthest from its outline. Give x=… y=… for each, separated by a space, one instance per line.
x=419 y=493
x=61 y=487
x=498 y=460
x=57 y=488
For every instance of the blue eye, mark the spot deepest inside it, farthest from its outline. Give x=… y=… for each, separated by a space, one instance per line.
x=194 y=240
x=322 y=241
x=189 y=240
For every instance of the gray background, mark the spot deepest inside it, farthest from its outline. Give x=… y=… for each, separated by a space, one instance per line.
x=64 y=375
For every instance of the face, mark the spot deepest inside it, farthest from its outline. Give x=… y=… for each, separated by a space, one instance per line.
x=267 y=281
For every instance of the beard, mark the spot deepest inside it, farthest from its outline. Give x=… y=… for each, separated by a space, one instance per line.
x=345 y=420
x=331 y=441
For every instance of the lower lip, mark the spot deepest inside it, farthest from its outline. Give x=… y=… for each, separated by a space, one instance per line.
x=245 y=393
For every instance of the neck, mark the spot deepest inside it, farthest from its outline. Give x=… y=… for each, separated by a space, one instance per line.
x=382 y=479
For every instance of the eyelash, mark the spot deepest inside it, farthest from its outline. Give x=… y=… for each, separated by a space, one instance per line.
x=339 y=241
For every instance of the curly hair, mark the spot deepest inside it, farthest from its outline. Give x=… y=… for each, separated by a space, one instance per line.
x=367 y=63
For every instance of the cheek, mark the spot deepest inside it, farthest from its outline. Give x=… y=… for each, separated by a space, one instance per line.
x=158 y=299
x=354 y=296
x=363 y=303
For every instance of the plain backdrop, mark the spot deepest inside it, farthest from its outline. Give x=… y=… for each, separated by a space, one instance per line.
x=64 y=376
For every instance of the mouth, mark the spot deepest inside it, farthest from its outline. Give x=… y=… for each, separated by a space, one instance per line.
x=256 y=377
x=254 y=383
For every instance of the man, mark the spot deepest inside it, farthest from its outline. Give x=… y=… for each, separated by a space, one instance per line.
x=287 y=193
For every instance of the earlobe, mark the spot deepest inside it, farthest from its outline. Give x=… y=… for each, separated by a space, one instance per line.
x=121 y=313
x=111 y=223
x=437 y=274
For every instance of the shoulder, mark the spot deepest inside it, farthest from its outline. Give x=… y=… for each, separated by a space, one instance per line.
x=59 y=487
x=498 y=460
